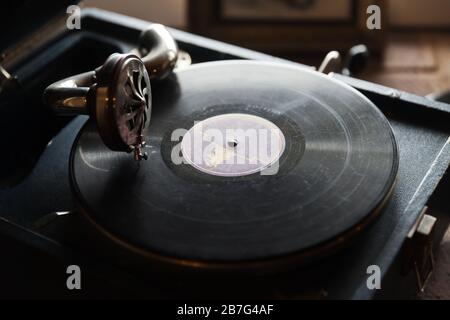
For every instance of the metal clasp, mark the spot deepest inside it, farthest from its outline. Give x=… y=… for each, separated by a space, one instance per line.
x=419 y=249
x=6 y=79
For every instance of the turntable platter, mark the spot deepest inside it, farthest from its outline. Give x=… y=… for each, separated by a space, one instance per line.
x=336 y=164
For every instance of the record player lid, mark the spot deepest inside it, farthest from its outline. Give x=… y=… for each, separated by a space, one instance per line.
x=23 y=17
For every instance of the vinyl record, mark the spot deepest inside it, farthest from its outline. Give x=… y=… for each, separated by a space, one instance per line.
x=333 y=166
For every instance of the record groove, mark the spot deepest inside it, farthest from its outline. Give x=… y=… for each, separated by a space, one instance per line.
x=339 y=164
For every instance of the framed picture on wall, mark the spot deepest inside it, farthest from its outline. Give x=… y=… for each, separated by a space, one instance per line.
x=288 y=26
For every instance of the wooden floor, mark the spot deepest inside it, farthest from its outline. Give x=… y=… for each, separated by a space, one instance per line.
x=417 y=63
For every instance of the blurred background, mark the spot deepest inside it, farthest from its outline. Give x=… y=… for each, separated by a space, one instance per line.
x=411 y=52
x=402 y=13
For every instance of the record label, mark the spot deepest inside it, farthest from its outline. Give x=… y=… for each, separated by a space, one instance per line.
x=234 y=144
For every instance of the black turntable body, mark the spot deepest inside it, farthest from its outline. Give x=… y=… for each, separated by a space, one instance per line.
x=360 y=182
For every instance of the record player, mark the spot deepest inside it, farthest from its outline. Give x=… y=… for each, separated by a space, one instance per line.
x=186 y=167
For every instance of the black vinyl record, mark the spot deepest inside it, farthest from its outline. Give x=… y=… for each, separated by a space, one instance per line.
x=337 y=168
